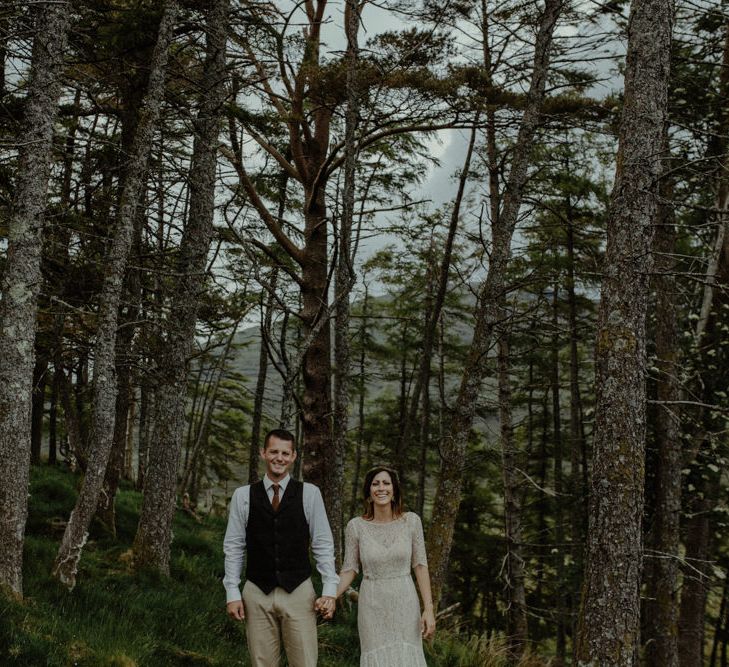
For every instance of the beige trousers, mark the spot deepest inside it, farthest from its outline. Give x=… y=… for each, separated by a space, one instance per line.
x=279 y=614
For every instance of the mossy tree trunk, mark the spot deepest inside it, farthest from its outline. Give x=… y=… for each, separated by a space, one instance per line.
x=609 y=624
x=21 y=280
x=125 y=345
x=104 y=381
x=154 y=531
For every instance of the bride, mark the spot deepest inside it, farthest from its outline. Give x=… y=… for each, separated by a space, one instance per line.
x=387 y=542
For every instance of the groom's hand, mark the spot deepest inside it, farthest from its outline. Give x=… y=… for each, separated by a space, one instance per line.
x=236 y=610
x=326 y=606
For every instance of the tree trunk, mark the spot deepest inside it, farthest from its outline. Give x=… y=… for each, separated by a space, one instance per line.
x=719 y=625
x=38 y=408
x=433 y=313
x=542 y=506
x=21 y=281
x=400 y=464
x=53 y=422
x=354 y=505
x=562 y=591
x=661 y=607
x=289 y=389
x=104 y=385
x=257 y=418
x=718 y=147
x=316 y=371
x=344 y=278
x=61 y=237
x=76 y=452
x=154 y=532
x=696 y=583
x=424 y=445
x=515 y=592
x=609 y=625
x=453 y=448
x=146 y=419
x=4 y=36
x=105 y=509
x=309 y=139
x=578 y=489
x=263 y=352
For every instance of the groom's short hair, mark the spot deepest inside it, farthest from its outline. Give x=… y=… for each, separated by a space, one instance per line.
x=281 y=434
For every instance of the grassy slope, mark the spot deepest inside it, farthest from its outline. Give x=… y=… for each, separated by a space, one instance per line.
x=116 y=618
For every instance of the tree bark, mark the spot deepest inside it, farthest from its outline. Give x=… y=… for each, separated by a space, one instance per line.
x=661 y=608
x=361 y=393
x=609 y=625
x=309 y=138
x=104 y=384
x=453 y=447
x=696 y=583
x=344 y=278
x=21 y=281
x=105 y=509
x=38 y=408
x=578 y=487
x=146 y=419
x=4 y=36
x=154 y=532
x=432 y=316
x=76 y=452
x=561 y=591
x=515 y=591
x=53 y=422
x=719 y=625
x=257 y=418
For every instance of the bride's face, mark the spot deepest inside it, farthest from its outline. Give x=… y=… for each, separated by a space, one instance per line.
x=381 y=490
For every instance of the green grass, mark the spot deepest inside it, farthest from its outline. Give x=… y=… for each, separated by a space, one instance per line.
x=116 y=617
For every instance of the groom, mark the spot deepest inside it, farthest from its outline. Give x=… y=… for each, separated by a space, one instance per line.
x=272 y=524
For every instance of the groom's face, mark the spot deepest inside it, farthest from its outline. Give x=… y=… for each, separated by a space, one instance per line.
x=278 y=455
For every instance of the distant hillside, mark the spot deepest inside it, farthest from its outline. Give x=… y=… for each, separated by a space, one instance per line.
x=245 y=360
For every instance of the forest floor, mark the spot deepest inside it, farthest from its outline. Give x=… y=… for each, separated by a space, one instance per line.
x=115 y=617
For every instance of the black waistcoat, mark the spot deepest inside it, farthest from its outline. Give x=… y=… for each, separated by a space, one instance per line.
x=277 y=542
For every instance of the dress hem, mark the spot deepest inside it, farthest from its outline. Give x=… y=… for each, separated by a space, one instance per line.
x=400 y=654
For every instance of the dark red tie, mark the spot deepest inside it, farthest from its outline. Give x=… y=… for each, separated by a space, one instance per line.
x=275 y=501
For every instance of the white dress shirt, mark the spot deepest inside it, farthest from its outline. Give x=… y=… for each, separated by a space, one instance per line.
x=322 y=543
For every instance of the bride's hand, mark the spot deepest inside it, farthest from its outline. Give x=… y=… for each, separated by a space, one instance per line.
x=427 y=624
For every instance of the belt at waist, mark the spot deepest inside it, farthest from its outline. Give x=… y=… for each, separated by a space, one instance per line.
x=386 y=576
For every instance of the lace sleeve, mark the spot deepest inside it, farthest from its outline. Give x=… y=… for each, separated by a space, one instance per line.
x=351 y=548
x=418 y=540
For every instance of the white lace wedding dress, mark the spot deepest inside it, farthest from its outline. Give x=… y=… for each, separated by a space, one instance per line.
x=388 y=615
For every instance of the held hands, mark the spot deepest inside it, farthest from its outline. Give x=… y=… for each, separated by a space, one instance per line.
x=427 y=623
x=236 y=610
x=326 y=606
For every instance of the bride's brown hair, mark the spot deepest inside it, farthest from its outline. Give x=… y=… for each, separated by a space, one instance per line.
x=396 y=501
